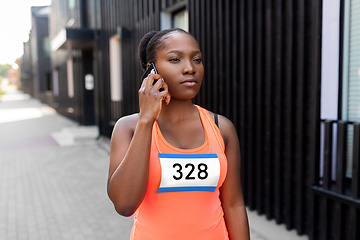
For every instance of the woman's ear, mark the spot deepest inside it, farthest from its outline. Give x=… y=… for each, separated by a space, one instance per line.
x=148 y=65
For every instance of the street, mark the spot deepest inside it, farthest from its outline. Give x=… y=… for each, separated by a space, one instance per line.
x=50 y=191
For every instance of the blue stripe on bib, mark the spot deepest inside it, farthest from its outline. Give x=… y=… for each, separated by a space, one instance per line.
x=187 y=189
x=167 y=155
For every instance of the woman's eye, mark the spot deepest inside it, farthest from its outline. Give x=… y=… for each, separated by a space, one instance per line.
x=198 y=60
x=174 y=60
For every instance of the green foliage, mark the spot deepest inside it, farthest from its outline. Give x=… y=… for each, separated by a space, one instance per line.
x=1 y=91
x=4 y=70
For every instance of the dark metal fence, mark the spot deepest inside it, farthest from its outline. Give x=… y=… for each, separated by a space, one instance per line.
x=337 y=198
x=262 y=71
x=262 y=61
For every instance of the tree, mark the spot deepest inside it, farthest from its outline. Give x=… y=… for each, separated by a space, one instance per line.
x=4 y=69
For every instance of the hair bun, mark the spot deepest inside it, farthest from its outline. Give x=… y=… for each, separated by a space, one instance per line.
x=142 y=48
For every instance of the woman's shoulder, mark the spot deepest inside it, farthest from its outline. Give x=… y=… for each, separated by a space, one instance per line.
x=126 y=124
x=225 y=126
x=224 y=121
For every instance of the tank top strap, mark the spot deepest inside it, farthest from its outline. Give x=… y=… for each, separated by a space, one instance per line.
x=211 y=128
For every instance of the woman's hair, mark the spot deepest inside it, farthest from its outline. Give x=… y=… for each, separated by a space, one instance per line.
x=151 y=43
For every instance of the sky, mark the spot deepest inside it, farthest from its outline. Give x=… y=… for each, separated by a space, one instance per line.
x=15 y=25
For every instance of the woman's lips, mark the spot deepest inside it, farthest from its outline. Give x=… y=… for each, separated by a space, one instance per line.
x=189 y=83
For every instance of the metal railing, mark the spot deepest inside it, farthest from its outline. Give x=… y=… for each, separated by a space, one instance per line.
x=336 y=194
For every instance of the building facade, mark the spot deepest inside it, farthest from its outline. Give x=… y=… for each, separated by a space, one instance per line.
x=36 y=71
x=72 y=45
x=26 y=71
x=284 y=72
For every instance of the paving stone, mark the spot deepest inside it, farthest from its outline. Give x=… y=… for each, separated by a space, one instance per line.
x=49 y=191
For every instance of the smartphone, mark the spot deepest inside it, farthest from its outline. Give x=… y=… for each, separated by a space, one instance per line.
x=147 y=72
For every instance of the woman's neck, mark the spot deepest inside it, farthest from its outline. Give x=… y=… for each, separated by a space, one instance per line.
x=177 y=110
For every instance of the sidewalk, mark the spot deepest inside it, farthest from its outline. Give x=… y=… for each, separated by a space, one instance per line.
x=53 y=187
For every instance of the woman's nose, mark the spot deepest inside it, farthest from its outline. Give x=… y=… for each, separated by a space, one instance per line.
x=189 y=68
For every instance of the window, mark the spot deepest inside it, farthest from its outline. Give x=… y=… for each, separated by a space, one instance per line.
x=351 y=73
x=63 y=9
x=56 y=82
x=46 y=46
x=48 y=82
x=330 y=74
x=71 y=4
x=70 y=77
x=340 y=98
x=180 y=19
x=115 y=68
x=175 y=16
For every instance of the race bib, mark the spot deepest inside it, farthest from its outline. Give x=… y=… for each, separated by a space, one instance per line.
x=189 y=172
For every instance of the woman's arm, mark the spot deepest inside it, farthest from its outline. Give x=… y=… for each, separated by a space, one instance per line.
x=231 y=193
x=129 y=164
x=130 y=149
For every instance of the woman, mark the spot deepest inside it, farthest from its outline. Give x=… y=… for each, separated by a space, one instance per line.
x=171 y=164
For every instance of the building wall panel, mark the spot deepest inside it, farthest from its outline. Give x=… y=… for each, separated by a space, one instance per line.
x=264 y=60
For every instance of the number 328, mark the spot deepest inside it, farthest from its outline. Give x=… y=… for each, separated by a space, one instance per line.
x=202 y=171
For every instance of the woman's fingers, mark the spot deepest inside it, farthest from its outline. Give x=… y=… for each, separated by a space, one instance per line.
x=166 y=95
x=153 y=89
x=163 y=88
x=152 y=93
x=159 y=83
x=148 y=81
x=151 y=78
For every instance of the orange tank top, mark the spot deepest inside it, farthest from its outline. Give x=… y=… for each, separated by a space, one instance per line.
x=182 y=199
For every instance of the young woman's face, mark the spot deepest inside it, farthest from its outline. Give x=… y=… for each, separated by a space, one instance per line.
x=180 y=64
